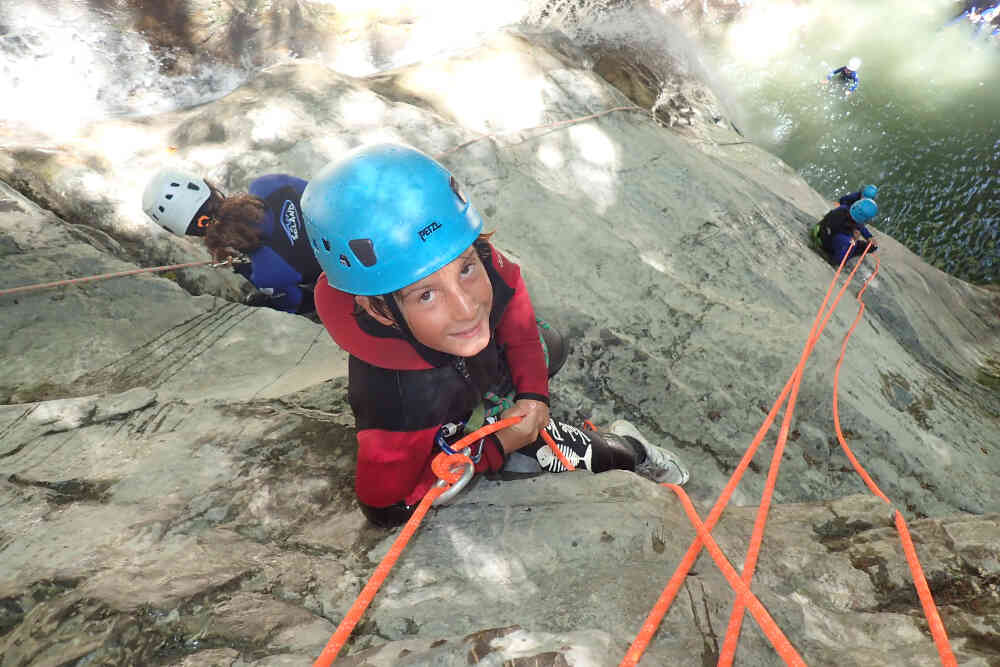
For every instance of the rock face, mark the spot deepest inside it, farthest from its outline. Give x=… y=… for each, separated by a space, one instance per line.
x=177 y=468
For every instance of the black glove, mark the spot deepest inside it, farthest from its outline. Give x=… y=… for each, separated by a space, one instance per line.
x=257 y=299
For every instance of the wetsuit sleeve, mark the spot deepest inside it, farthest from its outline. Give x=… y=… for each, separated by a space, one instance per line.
x=244 y=270
x=270 y=270
x=517 y=332
x=854 y=83
x=849 y=199
x=263 y=186
x=839 y=246
x=864 y=231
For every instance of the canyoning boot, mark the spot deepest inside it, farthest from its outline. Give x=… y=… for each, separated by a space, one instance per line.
x=660 y=465
x=555 y=347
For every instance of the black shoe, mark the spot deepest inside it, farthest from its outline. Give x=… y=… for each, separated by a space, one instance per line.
x=554 y=345
x=257 y=299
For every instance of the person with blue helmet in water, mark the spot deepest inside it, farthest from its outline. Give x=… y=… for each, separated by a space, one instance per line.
x=441 y=333
x=844 y=225
x=869 y=191
x=264 y=225
x=847 y=74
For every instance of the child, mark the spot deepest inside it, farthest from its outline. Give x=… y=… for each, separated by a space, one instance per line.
x=869 y=191
x=435 y=319
x=842 y=225
x=265 y=224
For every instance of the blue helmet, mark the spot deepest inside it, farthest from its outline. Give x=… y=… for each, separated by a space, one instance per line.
x=864 y=210
x=385 y=216
x=869 y=191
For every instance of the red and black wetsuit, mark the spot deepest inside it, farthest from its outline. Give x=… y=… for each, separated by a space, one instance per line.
x=402 y=392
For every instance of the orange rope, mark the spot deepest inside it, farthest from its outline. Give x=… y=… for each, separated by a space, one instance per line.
x=103 y=276
x=442 y=467
x=745 y=597
x=934 y=623
x=655 y=617
x=728 y=652
x=354 y=614
x=559 y=455
x=781 y=644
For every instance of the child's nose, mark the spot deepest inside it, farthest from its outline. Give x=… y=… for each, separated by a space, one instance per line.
x=464 y=304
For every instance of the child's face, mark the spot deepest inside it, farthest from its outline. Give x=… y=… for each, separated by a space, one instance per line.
x=449 y=310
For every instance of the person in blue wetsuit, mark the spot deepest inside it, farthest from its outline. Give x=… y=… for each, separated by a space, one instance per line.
x=848 y=74
x=868 y=191
x=838 y=228
x=265 y=225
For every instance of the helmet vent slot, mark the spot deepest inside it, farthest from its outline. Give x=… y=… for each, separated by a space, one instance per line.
x=364 y=250
x=193 y=186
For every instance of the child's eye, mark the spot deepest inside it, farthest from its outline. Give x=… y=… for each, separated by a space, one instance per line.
x=425 y=297
x=468 y=269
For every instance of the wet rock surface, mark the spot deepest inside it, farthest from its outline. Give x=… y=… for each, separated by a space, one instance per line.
x=176 y=469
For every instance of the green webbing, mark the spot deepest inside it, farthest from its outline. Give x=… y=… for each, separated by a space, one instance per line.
x=501 y=403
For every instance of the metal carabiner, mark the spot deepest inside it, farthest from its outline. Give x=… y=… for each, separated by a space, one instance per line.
x=467 y=475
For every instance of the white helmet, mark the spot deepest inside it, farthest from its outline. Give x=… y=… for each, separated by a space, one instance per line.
x=173 y=197
x=854 y=63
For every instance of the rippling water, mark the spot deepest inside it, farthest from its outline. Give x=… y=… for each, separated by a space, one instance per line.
x=924 y=124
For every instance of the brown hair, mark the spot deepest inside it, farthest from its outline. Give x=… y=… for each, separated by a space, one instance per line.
x=235 y=228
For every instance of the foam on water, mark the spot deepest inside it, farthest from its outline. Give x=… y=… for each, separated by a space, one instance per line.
x=924 y=124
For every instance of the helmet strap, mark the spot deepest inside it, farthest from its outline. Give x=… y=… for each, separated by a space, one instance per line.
x=397 y=315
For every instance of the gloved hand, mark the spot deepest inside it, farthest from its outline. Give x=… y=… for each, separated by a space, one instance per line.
x=257 y=299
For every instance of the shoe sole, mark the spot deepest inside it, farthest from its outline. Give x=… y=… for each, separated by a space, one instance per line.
x=624 y=427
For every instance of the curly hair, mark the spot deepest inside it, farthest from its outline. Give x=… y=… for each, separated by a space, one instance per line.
x=235 y=229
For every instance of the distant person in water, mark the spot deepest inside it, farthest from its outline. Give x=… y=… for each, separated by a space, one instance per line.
x=838 y=228
x=847 y=74
x=868 y=191
x=265 y=225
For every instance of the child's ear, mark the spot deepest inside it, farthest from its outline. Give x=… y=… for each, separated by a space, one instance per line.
x=366 y=303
